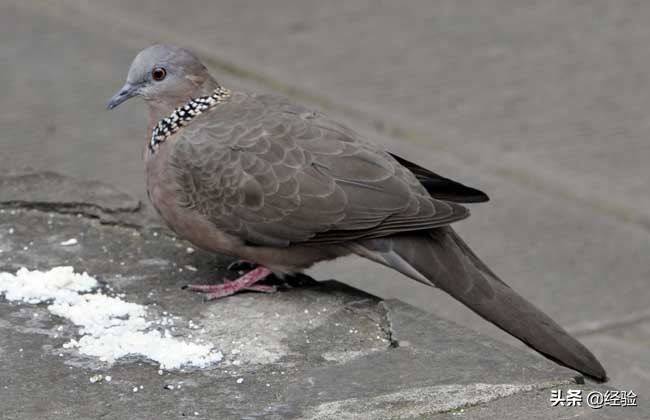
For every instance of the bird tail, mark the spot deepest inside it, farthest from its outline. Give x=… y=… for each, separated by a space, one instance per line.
x=439 y=257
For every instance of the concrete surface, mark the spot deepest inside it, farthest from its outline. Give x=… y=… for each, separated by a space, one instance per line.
x=311 y=351
x=542 y=105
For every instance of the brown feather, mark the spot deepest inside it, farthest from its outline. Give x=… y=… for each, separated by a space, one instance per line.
x=279 y=174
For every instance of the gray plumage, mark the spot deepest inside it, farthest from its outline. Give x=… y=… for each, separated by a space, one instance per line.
x=266 y=180
x=276 y=174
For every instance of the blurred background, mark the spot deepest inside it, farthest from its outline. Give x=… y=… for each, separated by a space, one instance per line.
x=545 y=105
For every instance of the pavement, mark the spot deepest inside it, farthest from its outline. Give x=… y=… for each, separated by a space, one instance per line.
x=541 y=105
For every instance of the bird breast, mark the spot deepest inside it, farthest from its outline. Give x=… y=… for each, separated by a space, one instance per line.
x=187 y=223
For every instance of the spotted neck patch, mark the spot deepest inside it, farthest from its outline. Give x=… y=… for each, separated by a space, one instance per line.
x=183 y=115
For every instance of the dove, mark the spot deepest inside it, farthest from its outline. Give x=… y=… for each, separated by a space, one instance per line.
x=268 y=181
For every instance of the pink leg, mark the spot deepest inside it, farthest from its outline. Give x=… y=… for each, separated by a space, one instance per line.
x=245 y=282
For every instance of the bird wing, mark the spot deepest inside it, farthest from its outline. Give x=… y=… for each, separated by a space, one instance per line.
x=443 y=188
x=275 y=173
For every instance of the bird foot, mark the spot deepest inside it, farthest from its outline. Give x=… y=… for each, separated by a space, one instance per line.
x=245 y=282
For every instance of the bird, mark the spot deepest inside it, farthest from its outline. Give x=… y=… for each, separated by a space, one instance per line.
x=265 y=180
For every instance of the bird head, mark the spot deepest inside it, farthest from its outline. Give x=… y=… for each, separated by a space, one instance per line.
x=166 y=77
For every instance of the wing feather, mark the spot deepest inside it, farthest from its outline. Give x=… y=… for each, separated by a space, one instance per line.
x=274 y=173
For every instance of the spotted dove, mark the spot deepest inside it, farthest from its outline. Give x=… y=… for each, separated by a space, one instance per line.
x=265 y=180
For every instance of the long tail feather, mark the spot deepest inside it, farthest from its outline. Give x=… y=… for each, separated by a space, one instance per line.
x=441 y=258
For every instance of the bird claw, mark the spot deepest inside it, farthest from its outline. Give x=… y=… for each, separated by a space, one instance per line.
x=246 y=282
x=218 y=293
x=262 y=288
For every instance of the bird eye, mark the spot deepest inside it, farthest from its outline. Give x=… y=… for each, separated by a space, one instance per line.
x=158 y=74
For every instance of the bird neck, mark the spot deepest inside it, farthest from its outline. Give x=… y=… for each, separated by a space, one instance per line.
x=184 y=114
x=159 y=109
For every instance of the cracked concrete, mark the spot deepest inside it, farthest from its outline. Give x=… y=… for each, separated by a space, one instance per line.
x=387 y=326
x=315 y=351
x=51 y=191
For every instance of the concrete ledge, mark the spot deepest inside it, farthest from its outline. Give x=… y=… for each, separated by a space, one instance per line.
x=318 y=351
x=50 y=191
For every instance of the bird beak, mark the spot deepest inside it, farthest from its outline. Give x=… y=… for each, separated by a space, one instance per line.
x=128 y=91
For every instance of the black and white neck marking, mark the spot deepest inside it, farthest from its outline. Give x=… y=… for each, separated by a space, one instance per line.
x=184 y=114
